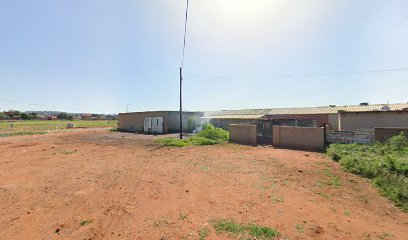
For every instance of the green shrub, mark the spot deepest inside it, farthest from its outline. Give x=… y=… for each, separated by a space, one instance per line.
x=216 y=134
x=208 y=136
x=385 y=163
x=394 y=187
x=193 y=123
x=398 y=143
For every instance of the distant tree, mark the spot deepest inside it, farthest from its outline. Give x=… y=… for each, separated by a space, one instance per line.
x=65 y=116
x=26 y=116
x=2 y=115
x=14 y=113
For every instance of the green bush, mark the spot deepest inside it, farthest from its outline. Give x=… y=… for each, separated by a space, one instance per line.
x=193 y=123
x=26 y=116
x=394 y=187
x=385 y=163
x=208 y=136
x=218 y=135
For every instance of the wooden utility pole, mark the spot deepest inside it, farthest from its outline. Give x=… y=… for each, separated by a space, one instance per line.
x=181 y=74
x=181 y=104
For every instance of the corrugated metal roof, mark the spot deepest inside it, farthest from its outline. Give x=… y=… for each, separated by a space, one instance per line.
x=231 y=116
x=257 y=113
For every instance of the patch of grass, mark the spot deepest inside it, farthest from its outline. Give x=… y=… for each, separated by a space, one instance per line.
x=20 y=134
x=299 y=228
x=183 y=216
x=276 y=199
x=347 y=213
x=85 y=222
x=210 y=135
x=31 y=127
x=251 y=231
x=323 y=195
x=69 y=152
x=203 y=233
x=163 y=221
x=386 y=236
x=173 y=142
x=386 y=164
x=334 y=180
x=47 y=125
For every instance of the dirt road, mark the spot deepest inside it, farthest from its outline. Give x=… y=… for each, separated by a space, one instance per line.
x=98 y=184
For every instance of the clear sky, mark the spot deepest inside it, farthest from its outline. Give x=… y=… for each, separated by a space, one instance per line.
x=99 y=55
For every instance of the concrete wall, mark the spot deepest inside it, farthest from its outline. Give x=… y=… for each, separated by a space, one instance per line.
x=383 y=134
x=243 y=133
x=133 y=122
x=299 y=138
x=333 y=122
x=363 y=136
x=351 y=121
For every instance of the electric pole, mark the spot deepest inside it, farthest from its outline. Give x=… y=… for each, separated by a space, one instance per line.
x=181 y=103
x=181 y=74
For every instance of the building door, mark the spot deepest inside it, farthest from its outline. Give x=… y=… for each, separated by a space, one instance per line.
x=153 y=125
x=147 y=126
x=157 y=125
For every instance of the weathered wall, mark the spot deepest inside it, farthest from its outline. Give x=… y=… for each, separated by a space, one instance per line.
x=174 y=120
x=363 y=136
x=133 y=122
x=299 y=138
x=225 y=123
x=383 y=134
x=243 y=133
x=321 y=119
x=333 y=122
x=350 y=121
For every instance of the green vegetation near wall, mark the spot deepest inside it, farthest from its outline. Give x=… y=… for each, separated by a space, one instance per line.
x=385 y=163
x=210 y=135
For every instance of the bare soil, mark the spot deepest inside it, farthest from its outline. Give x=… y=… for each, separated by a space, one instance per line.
x=98 y=184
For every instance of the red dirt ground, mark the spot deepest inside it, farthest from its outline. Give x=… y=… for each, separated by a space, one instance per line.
x=125 y=186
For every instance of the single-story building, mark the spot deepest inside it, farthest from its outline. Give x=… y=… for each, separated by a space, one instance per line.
x=314 y=116
x=154 y=121
x=352 y=121
x=223 y=118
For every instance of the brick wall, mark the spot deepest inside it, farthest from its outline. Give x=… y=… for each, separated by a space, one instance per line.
x=365 y=136
x=383 y=134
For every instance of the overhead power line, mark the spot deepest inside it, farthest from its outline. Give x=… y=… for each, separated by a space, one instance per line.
x=233 y=76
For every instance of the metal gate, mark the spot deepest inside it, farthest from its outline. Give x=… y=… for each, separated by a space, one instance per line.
x=265 y=132
x=153 y=125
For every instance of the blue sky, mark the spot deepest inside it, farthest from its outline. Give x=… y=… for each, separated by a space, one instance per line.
x=99 y=55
